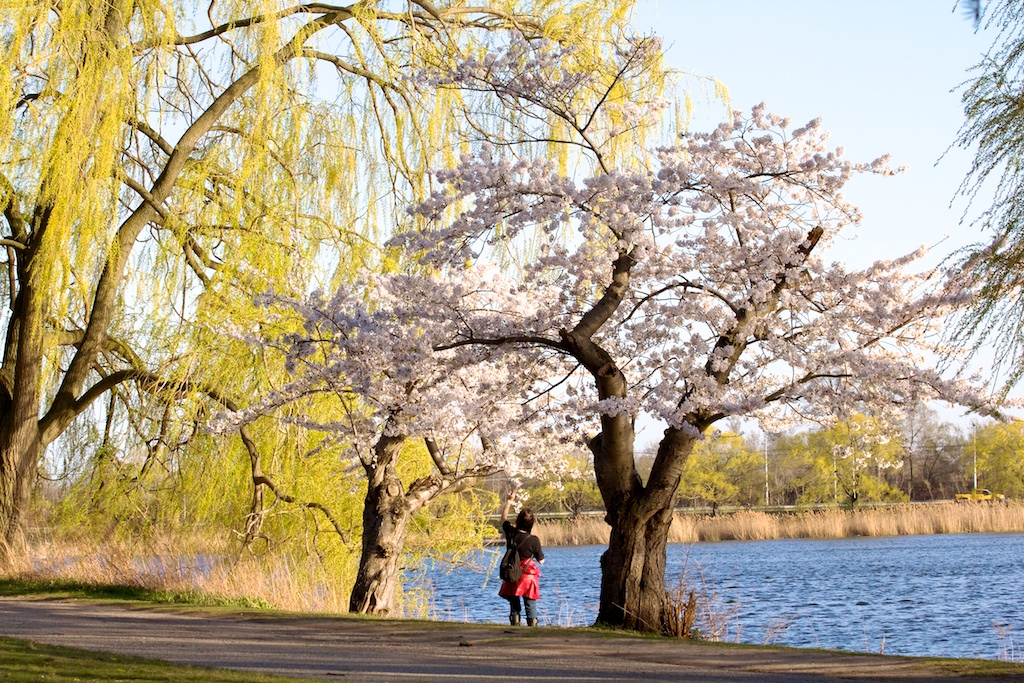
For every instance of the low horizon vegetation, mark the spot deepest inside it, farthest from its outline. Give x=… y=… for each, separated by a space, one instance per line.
x=751 y=525
x=861 y=460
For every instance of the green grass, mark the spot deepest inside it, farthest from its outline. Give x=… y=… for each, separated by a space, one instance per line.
x=78 y=589
x=991 y=668
x=22 y=661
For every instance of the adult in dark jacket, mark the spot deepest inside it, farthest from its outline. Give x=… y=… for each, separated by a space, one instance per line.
x=530 y=553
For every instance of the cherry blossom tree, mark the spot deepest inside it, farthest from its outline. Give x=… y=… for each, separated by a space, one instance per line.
x=377 y=361
x=688 y=288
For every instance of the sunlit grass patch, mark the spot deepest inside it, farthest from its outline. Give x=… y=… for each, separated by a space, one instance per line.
x=72 y=588
x=22 y=661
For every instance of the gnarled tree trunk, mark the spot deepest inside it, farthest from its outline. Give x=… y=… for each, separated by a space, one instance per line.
x=20 y=450
x=633 y=568
x=386 y=515
x=387 y=510
x=633 y=594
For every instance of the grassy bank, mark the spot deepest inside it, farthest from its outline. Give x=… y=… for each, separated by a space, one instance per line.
x=22 y=661
x=902 y=520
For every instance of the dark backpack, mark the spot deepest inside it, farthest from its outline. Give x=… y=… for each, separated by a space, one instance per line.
x=509 y=568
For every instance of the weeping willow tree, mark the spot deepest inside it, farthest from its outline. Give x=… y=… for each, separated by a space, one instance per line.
x=993 y=100
x=160 y=164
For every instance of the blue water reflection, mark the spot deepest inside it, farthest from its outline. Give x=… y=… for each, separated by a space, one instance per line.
x=951 y=595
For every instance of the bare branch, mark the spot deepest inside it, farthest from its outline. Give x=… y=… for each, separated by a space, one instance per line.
x=310 y=8
x=9 y=202
x=437 y=456
x=609 y=302
x=263 y=480
x=149 y=132
x=502 y=341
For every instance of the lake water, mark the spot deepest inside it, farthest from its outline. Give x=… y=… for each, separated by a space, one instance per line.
x=949 y=595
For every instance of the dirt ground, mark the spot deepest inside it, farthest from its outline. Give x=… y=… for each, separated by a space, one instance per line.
x=375 y=650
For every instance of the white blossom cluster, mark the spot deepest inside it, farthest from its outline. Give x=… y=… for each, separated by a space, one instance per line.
x=533 y=82
x=374 y=345
x=731 y=307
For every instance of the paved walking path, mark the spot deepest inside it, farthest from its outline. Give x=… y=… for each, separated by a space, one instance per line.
x=375 y=650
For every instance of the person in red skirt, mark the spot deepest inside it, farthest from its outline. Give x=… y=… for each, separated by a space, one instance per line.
x=530 y=553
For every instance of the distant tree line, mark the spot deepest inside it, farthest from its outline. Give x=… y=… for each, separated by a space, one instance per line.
x=857 y=461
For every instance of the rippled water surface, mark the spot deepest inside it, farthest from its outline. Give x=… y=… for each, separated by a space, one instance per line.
x=952 y=595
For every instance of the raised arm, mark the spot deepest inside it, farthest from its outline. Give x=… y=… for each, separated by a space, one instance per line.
x=508 y=504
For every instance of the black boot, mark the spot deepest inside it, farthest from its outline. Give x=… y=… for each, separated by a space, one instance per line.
x=531 y=622
x=514 y=619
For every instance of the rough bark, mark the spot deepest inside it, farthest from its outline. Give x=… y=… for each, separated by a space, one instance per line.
x=20 y=438
x=387 y=509
x=20 y=450
x=386 y=515
x=633 y=568
x=385 y=524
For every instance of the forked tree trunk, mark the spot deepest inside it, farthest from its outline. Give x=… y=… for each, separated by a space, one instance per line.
x=633 y=594
x=386 y=516
x=387 y=510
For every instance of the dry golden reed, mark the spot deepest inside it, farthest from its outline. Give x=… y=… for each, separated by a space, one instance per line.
x=901 y=520
x=171 y=565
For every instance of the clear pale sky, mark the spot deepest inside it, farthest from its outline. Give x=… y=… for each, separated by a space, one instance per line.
x=882 y=75
x=878 y=72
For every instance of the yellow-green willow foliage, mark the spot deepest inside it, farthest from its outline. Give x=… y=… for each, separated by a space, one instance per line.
x=993 y=130
x=723 y=470
x=161 y=163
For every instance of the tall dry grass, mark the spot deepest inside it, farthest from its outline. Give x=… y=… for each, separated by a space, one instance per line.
x=175 y=566
x=902 y=520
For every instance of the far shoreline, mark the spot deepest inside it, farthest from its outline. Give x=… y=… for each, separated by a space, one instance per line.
x=903 y=519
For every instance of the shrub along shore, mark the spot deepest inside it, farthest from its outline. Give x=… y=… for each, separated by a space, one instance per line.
x=747 y=525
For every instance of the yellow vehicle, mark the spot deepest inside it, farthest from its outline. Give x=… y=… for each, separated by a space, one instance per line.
x=980 y=494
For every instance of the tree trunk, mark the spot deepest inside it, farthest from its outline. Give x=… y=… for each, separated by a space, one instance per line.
x=21 y=444
x=633 y=594
x=387 y=510
x=20 y=450
x=254 y=520
x=633 y=570
x=386 y=515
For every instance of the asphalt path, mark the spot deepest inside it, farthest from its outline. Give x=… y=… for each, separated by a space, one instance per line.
x=348 y=648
